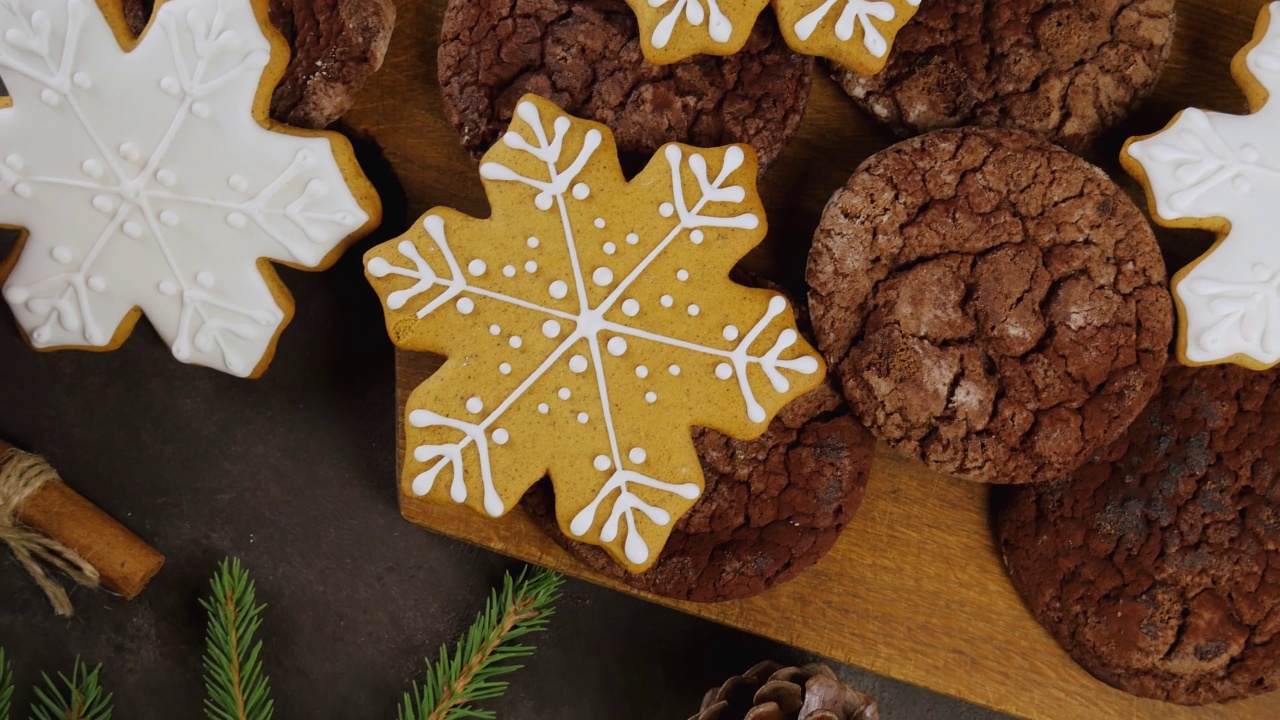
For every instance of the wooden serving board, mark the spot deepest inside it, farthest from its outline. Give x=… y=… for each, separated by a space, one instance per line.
x=914 y=589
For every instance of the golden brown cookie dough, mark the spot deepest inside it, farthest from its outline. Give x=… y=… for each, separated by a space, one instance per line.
x=588 y=323
x=855 y=33
x=771 y=509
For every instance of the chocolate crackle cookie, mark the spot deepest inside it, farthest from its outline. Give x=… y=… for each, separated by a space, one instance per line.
x=1154 y=565
x=585 y=56
x=991 y=304
x=1066 y=70
x=772 y=507
x=335 y=46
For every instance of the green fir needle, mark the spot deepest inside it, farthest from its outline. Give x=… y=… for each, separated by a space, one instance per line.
x=234 y=682
x=485 y=653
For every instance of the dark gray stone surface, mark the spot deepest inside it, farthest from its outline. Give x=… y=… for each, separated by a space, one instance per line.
x=295 y=474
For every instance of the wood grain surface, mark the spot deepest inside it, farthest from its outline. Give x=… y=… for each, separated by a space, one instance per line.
x=914 y=589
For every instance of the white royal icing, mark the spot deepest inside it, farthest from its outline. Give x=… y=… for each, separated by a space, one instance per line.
x=144 y=180
x=856 y=12
x=1213 y=165
x=719 y=27
x=604 y=337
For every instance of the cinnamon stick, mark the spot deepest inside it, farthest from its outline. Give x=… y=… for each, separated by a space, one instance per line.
x=125 y=563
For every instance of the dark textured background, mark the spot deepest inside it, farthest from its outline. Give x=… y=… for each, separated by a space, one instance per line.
x=295 y=474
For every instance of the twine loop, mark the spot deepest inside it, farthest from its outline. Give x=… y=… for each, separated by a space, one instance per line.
x=21 y=475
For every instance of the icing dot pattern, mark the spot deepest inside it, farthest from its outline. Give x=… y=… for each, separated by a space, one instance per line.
x=601 y=346
x=1209 y=165
x=164 y=214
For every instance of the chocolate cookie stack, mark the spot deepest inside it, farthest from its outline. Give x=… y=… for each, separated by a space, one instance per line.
x=999 y=309
x=772 y=507
x=1066 y=70
x=1153 y=565
x=585 y=56
x=988 y=303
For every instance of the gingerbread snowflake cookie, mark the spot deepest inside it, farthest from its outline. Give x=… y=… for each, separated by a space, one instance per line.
x=335 y=45
x=588 y=325
x=149 y=180
x=1222 y=173
x=857 y=34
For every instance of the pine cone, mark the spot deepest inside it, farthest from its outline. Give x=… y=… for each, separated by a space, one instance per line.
x=769 y=691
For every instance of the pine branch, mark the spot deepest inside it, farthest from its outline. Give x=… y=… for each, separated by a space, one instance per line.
x=6 y=687
x=485 y=652
x=235 y=685
x=78 y=697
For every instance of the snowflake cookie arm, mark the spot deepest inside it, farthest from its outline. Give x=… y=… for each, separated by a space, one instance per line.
x=1221 y=172
x=673 y=30
x=567 y=353
x=736 y=350
x=151 y=181
x=856 y=34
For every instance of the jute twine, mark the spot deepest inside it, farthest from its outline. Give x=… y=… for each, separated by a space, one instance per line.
x=21 y=475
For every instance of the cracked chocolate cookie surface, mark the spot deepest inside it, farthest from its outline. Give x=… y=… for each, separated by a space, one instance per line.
x=991 y=304
x=770 y=509
x=584 y=55
x=1066 y=70
x=335 y=46
x=1155 y=565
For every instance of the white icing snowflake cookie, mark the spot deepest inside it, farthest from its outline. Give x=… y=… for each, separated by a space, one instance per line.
x=856 y=34
x=1222 y=173
x=588 y=324
x=148 y=179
